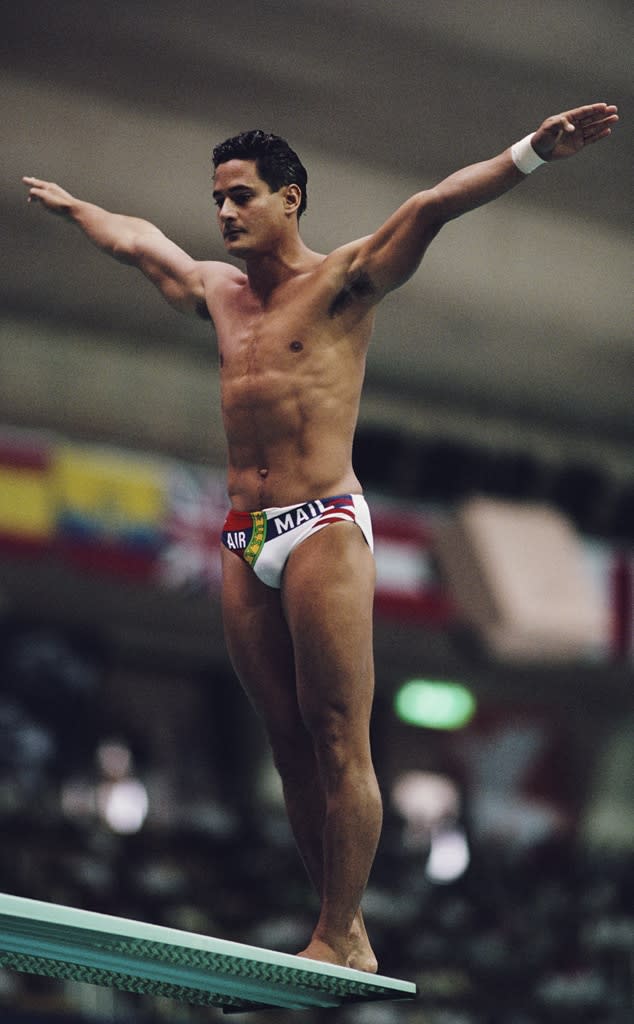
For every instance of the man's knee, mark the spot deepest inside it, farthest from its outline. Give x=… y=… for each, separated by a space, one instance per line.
x=340 y=744
x=291 y=747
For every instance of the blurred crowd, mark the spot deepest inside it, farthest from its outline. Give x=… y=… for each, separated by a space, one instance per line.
x=527 y=937
x=529 y=932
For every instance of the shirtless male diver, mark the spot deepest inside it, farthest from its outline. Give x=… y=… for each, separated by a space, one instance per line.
x=292 y=331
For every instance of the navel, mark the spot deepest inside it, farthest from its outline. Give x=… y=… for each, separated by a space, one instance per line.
x=296 y=346
x=263 y=473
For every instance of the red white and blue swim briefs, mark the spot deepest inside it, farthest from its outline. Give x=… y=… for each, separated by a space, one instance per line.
x=265 y=539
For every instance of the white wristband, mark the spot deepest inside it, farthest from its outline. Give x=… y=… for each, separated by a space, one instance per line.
x=524 y=156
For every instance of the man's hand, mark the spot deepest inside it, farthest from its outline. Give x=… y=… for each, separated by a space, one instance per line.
x=54 y=198
x=566 y=134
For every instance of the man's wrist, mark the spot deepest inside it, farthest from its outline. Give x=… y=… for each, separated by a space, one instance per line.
x=524 y=156
x=74 y=209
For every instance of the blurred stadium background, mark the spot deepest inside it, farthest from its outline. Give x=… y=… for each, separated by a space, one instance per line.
x=133 y=777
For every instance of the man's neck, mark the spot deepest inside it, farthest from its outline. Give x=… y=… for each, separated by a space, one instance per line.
x=267 y=271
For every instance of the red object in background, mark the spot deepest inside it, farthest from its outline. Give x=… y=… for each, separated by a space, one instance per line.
x=408 y=587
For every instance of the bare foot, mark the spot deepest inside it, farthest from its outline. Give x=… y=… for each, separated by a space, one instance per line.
x=318 y=950
x=361 y=956
x=354 y=952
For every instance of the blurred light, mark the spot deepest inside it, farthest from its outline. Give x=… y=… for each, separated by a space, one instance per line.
x=430 y=804
x=426 y=797
x=435 y=705
x=123 y=805
x=449 y=856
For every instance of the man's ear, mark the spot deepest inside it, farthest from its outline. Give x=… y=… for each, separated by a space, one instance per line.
x=292 y=198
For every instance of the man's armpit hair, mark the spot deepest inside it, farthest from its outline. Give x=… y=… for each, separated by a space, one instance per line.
x=202 y=311
x=358 y=286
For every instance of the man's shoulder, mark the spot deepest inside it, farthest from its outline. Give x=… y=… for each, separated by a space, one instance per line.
x=333 y=268
x=217 y=271
x=343 y=255
x=215 y=279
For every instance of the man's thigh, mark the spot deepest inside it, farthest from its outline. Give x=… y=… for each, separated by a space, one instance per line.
x=259 y=643
x=328 y=593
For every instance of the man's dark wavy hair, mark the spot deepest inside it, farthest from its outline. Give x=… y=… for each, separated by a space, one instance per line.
x=276 y=163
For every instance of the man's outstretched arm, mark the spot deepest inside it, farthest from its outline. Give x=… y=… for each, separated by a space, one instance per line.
x=129 y=240
x=390 y=256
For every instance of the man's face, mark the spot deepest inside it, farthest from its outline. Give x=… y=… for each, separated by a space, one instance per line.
x=250 y=216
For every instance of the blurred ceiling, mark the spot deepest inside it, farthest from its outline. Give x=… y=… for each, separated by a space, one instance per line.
x=522 y=310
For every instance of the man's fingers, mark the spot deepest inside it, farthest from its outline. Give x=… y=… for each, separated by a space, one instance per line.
x=597 y=127
x=34 y=184
x=593 y=121
x=594 y=132
x=592 y=114
x=42 y=191
x=591 y=111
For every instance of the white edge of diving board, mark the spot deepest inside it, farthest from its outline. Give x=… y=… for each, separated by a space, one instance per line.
x=70 y=917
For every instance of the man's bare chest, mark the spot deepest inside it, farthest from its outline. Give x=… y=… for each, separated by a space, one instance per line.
x=292 y=323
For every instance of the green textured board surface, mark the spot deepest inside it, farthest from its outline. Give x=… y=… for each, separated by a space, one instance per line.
x=62 y=942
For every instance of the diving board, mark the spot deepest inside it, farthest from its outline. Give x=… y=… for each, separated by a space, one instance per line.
x=62 y=942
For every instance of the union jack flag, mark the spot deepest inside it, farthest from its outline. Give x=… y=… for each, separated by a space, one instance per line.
x=197 y=504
